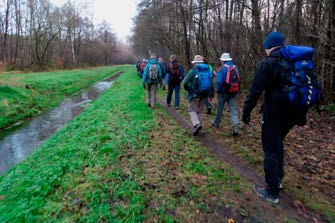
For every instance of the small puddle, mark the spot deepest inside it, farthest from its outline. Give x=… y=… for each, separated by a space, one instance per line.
x=18 y=143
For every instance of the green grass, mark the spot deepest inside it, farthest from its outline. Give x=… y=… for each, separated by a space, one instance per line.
x=71 y=178
x=120 y=161
x=108 y=165
x=25 y=95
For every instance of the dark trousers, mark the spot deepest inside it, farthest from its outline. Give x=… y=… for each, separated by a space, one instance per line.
x=208 y=104
x=272 y=141
x=176 y=88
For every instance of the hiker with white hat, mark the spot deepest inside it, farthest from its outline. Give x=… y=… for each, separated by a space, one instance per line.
x=227 y=88
x=199 y=86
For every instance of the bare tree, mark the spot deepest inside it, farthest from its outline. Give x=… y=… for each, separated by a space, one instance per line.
x=5 y=26
x=211 y=27
x=34 y=32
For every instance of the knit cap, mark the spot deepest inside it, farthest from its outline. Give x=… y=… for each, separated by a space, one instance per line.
x=273 y=39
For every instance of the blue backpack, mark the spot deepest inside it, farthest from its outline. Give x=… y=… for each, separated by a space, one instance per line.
x=301 y=88
x=203 y=84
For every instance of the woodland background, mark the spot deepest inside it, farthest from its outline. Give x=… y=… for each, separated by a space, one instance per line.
x=211 y=27
x=35 y=34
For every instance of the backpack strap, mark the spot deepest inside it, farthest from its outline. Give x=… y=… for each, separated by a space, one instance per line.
x=228 y=67
x=229 y=70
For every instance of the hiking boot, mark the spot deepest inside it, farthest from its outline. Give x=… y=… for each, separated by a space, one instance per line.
x=197 y=130
x=209 y=111
x=176 y=107
x=235 y=130
x=214 y=125
x=265 y=194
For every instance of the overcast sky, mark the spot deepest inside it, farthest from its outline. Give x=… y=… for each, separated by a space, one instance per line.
x=118 y=13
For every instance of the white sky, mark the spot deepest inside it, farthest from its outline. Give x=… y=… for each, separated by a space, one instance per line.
x=118 y=13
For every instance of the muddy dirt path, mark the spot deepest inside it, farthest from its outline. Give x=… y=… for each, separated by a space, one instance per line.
x=294 y=209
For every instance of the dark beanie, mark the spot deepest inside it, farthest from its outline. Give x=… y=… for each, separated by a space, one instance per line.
x=273 y=39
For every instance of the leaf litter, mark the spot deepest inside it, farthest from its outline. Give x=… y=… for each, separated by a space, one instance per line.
x=309 y=153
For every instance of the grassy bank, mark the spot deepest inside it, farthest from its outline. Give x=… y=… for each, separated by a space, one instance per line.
x=119 y=161
x=25 y=95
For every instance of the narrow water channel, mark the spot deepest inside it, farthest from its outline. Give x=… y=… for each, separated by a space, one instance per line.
x=18 y=143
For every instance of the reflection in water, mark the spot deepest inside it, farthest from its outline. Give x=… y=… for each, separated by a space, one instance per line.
x=21 y=142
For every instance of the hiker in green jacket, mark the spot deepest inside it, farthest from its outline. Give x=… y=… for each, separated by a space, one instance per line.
x=199 y=85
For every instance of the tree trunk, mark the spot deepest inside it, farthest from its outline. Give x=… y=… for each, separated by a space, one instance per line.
x=18 y=29
x=282 y=20
x=316 y=16
x=221 y=33
x=257 y=28
x=298 y=14
x=72 y=49
x=330 y=55
x=186 y=40
x=4 y=47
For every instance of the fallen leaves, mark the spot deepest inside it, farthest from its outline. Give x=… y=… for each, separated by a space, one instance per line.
x=309 y=151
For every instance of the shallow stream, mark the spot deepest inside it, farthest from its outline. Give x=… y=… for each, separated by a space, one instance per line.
x=17 y=143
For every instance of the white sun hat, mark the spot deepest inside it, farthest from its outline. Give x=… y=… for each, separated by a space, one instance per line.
x=198 y=59
x=225 y=57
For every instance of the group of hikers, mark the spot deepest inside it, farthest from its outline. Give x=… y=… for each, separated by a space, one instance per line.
x=290 y=90
x=172 y=75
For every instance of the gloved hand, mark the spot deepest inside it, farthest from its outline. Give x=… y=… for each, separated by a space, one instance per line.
x=246 y=117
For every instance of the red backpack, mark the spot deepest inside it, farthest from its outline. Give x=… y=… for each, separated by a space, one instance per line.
x=143 y=64
x=175 y=72
x=232 y=80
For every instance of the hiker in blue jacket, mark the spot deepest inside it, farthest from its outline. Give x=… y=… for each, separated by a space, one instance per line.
x=224 y=96
x=152 y=76
x=277 y=120
x=175 y=75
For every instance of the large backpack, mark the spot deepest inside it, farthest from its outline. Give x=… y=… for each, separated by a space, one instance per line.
x=153 y=72
x=203 y=84
x=300 y=88
x=232 y=82
x=175 y=72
